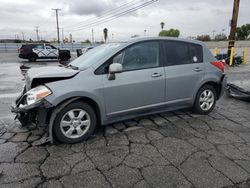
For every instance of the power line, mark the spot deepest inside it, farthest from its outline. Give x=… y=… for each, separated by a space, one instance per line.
x=106 y=13
x=57 y=24
x=110 y=18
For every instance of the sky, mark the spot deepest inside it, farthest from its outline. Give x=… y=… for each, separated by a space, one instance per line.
x=18 y=18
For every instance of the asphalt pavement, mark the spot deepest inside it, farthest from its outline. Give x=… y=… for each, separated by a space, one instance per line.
x=174 y=149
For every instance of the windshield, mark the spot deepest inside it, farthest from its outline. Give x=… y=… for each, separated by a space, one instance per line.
x=94 y=55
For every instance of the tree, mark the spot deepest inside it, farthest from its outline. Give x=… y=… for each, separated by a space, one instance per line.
x=87 y=41
x=105 y=33
x=162 y=25
x=134 y=36
x=243 y=32
x=220 y=37
x=203 y=38
x=170 y=33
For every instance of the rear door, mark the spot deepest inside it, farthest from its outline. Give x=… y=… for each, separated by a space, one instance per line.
x=184 y=69
x=39 y=49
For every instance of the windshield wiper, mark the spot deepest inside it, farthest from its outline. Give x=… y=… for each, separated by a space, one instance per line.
x=72 y=66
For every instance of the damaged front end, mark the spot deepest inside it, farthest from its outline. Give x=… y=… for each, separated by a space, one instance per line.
x=31 y=107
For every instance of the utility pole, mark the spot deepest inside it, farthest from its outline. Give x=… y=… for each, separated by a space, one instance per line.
x=23 y=35
x=92 y=34
x=37 y=30
x=62 y=35
x=57 y=25
x=233 y=24
x=213 y=33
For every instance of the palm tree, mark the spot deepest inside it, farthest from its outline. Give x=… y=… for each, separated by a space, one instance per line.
x=105 y=33
x=162 y=25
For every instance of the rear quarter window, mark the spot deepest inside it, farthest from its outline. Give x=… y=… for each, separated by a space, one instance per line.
x=180 y=53
x=195 y=50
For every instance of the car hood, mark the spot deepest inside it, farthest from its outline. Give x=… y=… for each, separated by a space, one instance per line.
x=48 y=74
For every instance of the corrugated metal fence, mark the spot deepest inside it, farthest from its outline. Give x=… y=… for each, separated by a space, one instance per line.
x=13 y=47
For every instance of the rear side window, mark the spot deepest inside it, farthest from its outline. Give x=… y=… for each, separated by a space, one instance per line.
x=195 y=50
x=39 y=46
x=180 y=53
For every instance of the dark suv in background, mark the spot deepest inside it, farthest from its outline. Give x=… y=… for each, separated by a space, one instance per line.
x=32 y=52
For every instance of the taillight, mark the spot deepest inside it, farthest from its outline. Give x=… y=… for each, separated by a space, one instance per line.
x=21 y=50
x=220 y=65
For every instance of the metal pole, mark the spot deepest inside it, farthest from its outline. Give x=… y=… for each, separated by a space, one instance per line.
x=23 y=35
x=215 y=52
x=37 y=36
x=62 y=35
x=92 y=32
x=233 y=24
x=57 y=24
x=245 y=56
x=213 y=33
x=231 y=56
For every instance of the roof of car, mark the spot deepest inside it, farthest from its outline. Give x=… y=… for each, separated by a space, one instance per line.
x=139 y=39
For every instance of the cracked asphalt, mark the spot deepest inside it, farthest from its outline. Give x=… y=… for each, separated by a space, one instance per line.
x=174 y=149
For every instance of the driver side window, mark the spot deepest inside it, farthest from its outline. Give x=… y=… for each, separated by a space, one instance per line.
x=49 y=47
x=139 y=56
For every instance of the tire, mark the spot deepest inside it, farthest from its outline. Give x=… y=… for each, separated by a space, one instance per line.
x=64 y=57
x=205 y=100
x=71 y=124
x=32 y=58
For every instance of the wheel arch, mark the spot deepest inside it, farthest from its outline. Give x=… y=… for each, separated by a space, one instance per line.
x=215 y=85
x=66 y=102
x=32 y=54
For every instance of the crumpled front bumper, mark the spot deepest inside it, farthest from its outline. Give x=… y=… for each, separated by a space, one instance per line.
x=15 y=109
x=29 y=113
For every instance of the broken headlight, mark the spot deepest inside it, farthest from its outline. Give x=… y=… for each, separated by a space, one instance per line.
x=36 y=94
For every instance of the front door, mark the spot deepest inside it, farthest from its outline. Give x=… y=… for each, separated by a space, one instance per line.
x=51 y=51
x=141 y=85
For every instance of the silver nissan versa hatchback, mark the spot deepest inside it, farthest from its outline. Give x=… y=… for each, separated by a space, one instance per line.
x=119 y=81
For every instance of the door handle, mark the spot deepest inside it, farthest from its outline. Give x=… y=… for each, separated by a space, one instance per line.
x=156 y=74
x=197 y=69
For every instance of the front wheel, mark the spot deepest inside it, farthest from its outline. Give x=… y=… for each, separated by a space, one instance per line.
x=205 y=100
x=74 y=123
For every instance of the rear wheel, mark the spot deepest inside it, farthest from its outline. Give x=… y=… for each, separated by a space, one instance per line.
x=74 y=123
x=32 y=58
x=205 y=100
x=64 y=57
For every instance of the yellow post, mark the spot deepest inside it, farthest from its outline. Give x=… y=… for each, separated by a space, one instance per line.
x=231 y=56
x=245 y=56
x=215 y=52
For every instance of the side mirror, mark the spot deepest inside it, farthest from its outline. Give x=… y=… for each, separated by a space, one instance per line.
x=114 y=68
